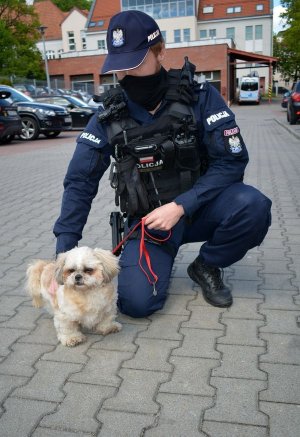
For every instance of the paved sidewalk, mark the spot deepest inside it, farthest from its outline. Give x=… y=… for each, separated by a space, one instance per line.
x=190 y=369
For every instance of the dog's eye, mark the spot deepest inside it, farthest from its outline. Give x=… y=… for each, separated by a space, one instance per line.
x=88 y=270
x=70 y=271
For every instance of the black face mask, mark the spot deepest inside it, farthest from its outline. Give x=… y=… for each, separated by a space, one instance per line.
x=146 y=91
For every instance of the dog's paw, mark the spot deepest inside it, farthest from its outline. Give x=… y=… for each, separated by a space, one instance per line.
x=109 y=329
x=73 y=340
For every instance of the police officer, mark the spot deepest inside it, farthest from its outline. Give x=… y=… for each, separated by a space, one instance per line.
x=218 y=209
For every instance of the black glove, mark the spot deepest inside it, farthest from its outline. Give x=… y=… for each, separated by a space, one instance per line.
x=131 y=189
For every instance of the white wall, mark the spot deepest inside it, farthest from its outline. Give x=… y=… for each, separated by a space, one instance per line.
x=75 y=22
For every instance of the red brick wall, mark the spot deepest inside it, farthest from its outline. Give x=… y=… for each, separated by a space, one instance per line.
x=206 y=58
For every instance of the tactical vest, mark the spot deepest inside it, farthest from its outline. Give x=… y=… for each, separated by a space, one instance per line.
x=166 y=153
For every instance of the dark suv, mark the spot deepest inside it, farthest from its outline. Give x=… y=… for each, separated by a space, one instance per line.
x=293 y=105
x=10 y=121
x=38 y=118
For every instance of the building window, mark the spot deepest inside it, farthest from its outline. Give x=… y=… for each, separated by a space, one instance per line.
x=92 y=24
x=234 y=10
x=60 y=52
x=203 y=33
x=208 y=9
x=186 y=34
x=161 y=8
x=164 y=35
x=177 y=35
x=230 y=32
x=50 y=54
x=71 y=39
x=83 y=39
x=259 y=7
x=259 y=32
x=212 y=33
x=100 y=23
x=249 y=33
x=101 y=44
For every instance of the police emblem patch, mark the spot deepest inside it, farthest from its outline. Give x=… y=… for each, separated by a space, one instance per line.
x=118 y=37
x=233 y=141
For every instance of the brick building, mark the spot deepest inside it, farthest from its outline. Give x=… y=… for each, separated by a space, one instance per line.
x=223 y=40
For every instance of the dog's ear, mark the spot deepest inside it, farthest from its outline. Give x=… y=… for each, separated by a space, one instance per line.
x=59 y=266
x=109 y=262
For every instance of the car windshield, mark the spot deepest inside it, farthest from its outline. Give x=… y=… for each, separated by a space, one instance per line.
x=17 y=96
x=77 y=102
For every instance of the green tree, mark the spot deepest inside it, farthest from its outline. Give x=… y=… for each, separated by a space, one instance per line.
x=18 y=36
x=287 y=42
x=67 y=5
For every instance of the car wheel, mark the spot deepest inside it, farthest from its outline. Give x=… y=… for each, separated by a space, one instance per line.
x=292 y=118
x=30 y=129
x=53 y=134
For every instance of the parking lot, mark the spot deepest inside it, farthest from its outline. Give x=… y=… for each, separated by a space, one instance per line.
x=190 y=369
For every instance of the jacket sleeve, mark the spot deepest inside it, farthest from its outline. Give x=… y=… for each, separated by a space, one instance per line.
x=227 y=153
x=90 y=160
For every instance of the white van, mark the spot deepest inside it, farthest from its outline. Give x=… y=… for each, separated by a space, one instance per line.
x=249 y=90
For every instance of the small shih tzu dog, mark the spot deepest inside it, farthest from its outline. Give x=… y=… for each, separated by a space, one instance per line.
x=85 y=295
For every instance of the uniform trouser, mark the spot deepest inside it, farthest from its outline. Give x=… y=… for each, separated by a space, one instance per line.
x=231 y=224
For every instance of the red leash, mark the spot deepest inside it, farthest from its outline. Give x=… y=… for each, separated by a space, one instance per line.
x=143 y=250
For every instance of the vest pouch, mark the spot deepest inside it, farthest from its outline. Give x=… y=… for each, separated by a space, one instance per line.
x=187 y=154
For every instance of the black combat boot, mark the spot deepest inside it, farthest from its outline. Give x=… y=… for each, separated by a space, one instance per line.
x=209 y=278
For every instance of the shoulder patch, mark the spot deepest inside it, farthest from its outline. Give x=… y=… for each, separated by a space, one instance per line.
x=233 y=141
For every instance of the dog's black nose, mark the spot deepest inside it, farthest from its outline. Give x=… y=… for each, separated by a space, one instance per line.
x=78 y=277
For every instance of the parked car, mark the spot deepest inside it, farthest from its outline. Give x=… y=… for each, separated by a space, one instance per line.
x=37 y=118
x=293 y=105
x=10 y=121
x=285 y=98
x=80 y=111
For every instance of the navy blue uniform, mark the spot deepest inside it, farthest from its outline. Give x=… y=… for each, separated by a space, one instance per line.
x=228 y=215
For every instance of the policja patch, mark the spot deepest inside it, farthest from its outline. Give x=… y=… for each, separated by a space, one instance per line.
x=233 y=141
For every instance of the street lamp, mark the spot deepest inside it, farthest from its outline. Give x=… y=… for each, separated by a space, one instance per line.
x=42 y=32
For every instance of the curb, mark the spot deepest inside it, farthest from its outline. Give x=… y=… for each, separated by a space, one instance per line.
x=295 y=134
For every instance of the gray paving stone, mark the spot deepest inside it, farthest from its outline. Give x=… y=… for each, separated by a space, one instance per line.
x=137 y=392
x=245 y=333
x=22 y=358
x=25 y=318
x=182 y=286
x=47 y=383
x=180 y=416
x=280 y=281
x=123 y=341
x=245 y=273
x=248 y=289
x=281 y=254
x=117 y=423
x=152 y=354
x=278 y=300
x=79 y=408
x=199 y=343
x=76 y=354
x=164 y=326
x=8 y=337
x=236 y=402
x=284 y=419
x=283 y=349
x=22 y=415
x=7 y=384
x=281 y=322
x=9 y=304
x=204 y=318
x=222 y=429
x=244 y=309
x=102 y=367
x=43 y=333
x=44 y=432
x=190 y=376
x=176 y=305
x=239 y=362
x=283 y=383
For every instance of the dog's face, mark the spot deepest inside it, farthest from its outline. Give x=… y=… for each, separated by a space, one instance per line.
x=84 y=268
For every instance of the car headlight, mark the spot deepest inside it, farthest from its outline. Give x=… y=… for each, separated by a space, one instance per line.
x=45 y=112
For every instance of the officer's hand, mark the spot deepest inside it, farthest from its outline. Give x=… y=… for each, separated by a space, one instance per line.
x=164 y=217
